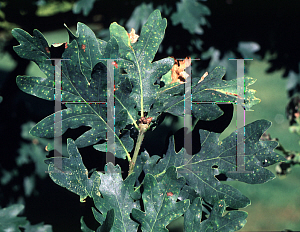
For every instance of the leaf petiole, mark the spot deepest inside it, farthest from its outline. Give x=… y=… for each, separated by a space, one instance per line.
x=143 y=127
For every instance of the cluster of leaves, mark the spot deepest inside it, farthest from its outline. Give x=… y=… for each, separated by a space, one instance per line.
x=9 y=221
x=292 y=157
x=175 y=184
x=31 y=151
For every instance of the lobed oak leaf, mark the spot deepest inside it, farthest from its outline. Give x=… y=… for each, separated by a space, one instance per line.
x=132 y=36
x=178 y=73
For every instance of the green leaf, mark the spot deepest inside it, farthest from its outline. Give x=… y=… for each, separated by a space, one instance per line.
x=192 y=217
x=117 y=146
x=191 y=14
x=75 y=87
x=139 y=16
x=232 y=221
x=159 y=200
x=36 y=49
x=9 y=220
x=118 y=195
x=84 y=227
x=106 y=226
x=83 y=5
x=38 y=228
x=50 y=8
x=108 y=223
x=35 y=150
x=91 y=54
x=84 y=80
x=73 y=175
x=188 y=192
x=248 y=50
x=137 y=58
x=212 y=89
x=31 y=47
x=216 y=157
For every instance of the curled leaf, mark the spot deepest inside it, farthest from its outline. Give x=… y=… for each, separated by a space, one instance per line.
x=132 y=36
x=178 y=73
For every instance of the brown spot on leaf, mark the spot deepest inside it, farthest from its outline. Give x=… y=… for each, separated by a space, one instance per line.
x=83 y=47
x=115 y=64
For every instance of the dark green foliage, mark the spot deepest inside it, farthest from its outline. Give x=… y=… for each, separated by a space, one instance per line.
x=83 y=5
x=199 y=170
x=9 y=221
x=159 y=200
x=123 y=205
x=191 y=15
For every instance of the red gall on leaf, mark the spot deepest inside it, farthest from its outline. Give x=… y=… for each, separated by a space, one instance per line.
x=47 y=49
x=132 y=36
x=169 y=194
x=83 y=47
x=66 y=45
x=115 y=64
x=178 y=74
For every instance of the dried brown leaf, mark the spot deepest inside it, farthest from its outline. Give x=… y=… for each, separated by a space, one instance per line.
x=202 y=78
x=132 y=36
x=178 y=73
